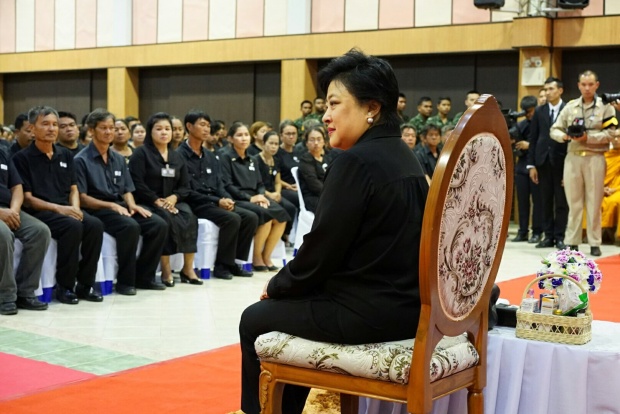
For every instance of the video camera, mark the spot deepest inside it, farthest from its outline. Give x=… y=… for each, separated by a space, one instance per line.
x=610 y=97
x=577 y=128
x=511 y=117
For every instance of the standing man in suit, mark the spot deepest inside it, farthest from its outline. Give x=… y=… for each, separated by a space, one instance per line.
x=545 y=161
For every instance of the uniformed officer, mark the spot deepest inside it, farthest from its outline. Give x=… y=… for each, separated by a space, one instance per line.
x=444 y=105
x=425 y=109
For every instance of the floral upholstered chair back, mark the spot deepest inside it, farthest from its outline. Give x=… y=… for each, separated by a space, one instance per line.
x=464 y=229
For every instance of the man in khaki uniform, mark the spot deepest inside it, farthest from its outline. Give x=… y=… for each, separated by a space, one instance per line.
x=584 y=167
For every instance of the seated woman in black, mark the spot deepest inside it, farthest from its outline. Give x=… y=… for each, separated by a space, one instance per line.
x=257 y=133
x=288 y=158
x=312 y=167
x=161 y=180
x=243 y=181
x=355 y=278
x=269 y=167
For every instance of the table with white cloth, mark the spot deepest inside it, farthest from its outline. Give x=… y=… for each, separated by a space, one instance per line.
x=534 y=377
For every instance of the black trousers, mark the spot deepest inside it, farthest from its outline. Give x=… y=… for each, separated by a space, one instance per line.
x=291 y=209
x=316 y=318
x=69 y=234
x=526 y=189
x=554 y=204
x=127 y=231
x=237 y=229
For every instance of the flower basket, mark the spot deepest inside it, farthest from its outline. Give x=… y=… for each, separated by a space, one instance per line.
x=554 y=328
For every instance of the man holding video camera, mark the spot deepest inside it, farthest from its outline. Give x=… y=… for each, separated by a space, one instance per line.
x=584 y=123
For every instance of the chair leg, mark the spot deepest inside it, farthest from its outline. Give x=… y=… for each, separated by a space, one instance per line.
x=349 y=404
x=270 y=394
x=475 y=402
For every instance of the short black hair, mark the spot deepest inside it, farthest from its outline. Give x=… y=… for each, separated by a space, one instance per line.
x=444 y=98
x=155 y=118
x=552 y=79
x=285 y=123
x=313 y=128
x=235 y=126
x=19 y=121
x=98 y=115
x=305 y=101
x=407 y=126
x=65 y=114
x=269 y=134
x=319 y=97
x=130 y=118
x=216 y=126
x=402 y=95
x=472 y=91
x=528 y=102
x=424 y=99
x=430 y=127
x=194 y=115
x=367 y=78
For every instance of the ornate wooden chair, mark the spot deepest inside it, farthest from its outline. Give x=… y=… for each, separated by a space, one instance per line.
x=463 y=236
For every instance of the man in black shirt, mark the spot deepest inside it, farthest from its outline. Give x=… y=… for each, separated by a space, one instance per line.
x=68 y=132
x=18 y=292
x=209 y=200
x=428 y=152
x=51 y=195
x=105 y=187
x=23 y=134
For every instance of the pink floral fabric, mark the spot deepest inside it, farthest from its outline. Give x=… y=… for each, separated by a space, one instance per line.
x=470 y=227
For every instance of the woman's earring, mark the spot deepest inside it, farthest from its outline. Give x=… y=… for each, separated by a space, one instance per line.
x=370 y=120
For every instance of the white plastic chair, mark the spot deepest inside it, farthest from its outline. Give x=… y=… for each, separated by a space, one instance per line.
x=304 y=218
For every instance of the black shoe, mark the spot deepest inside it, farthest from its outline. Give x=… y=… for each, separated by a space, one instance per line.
x=534 y=239
x=520 y=237
x=574 y=247
x=66 y=296
x=187 y=279
x=560 y=245
x=221 y=272
x=88 y=293
x=8 y=308
x=259 y=268
x=150 y=285
x=125 y=290
x=168 y=283
x=237 y=270
x=545 y=243
x=31 y=304
x=595 y=251
x=273 y=268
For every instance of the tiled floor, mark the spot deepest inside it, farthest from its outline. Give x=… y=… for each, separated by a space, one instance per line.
x=125 y=332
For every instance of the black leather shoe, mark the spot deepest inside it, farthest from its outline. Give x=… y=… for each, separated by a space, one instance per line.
x=237 y=270
x=273 y=268
x=222 y=272
x=259 y=268
x=31 y=304
x=574 y=247
x=595 y=251
x=125 y=290
x=88 y=293
x=520 y=237
x=534 y=239
x=66 y=296
x=8 y=308
x=545 y=243
x=168 y=283
x=560 y=245
x=187 y=279
x=150 y=285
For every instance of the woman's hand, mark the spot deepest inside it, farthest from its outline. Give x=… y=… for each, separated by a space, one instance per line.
x=261 y=200
x=275 y=196
x=264 y=295
x=165 y=204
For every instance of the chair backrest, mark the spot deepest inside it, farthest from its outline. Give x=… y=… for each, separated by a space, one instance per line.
x=302 y=205
x=463 y=235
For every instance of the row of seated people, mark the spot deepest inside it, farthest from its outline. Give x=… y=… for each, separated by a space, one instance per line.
x=158 y=194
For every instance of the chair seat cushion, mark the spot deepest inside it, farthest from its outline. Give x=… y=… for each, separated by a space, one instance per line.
x=386 y=361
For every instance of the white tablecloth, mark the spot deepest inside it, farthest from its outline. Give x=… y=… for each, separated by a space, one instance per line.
x=533 y=377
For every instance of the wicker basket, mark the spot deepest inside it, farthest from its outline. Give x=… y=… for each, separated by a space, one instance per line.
x=554 y=328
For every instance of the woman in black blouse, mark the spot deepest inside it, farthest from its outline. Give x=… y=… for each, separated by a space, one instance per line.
x=162 y=183
x=257 y=131
x=288 y=158
x=121 y=139
x=243 y=181
x=269 y=168
x=312 y=167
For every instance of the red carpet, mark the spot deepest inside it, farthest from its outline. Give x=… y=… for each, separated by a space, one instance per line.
x=603 y=303
x=20 y=376
x=202 y=383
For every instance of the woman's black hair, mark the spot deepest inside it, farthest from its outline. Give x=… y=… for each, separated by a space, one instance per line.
x=318 y=128
x=155 y=118
x=269 y=134
x=235 y=126
x=367 y=78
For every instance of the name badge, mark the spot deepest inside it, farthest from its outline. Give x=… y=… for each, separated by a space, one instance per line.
x=4 y=167
x=275 y=172
x=167 y=172
x=117 y=173
x=324 y=166
x=251 y=167
x=208 y=170
x=63 y=164
x=295 y=159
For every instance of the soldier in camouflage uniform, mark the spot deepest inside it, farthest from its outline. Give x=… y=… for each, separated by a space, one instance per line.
x=472 y=97
x=425 y=109
x=444 y=105
x=306 y=111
